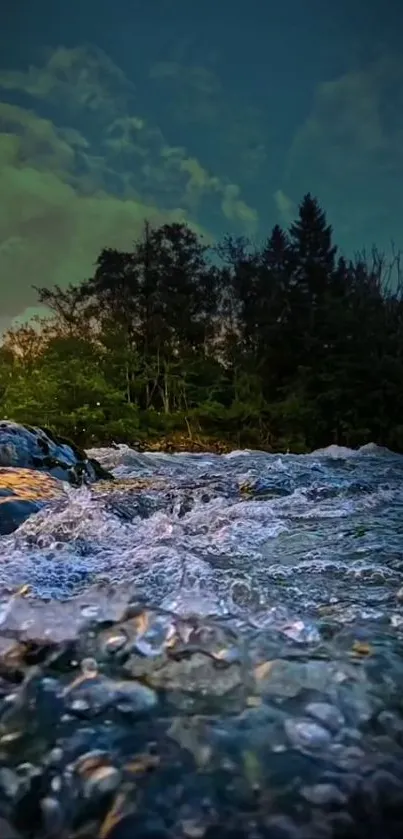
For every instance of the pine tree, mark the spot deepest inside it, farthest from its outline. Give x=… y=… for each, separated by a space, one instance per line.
x=311 y=238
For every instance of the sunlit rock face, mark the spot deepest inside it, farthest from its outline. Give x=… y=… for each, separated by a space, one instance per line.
x=29 y=447
x=23 y=492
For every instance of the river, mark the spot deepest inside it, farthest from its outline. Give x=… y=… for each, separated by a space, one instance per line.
x=211 y=646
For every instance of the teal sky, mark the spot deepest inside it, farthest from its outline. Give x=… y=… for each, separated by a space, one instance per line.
x=223 y=114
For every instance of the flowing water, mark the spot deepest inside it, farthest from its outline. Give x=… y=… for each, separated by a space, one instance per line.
x=210 y=646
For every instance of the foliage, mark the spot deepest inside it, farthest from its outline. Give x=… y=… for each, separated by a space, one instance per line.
x=282 y=346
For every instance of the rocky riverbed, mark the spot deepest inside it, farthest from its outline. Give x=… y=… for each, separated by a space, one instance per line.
x=207 y=645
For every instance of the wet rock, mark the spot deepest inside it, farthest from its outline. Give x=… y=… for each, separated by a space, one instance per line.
x=197 y=674
x=24 y=492
x=147 y=633
x=97 y=774
x=269 y=487
x=304 y=734
x=152 y=635
x=289 y=678
x=347 y=758
x=9 y=783
x=12 y=655
x=7 y=831
x=36 y=448
x=53 y=817
x=90 y=695
x=327 y=714
x=142 y=497
x=191 y=734
x=282 y=827
x=55 y=622
x=134 y=497
x=324 y=794
x=385 y=789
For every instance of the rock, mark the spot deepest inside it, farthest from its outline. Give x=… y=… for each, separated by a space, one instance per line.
x=91 y=695
x=22 y=493
x=52 y=817
x=304 y=734
x=7 y=831
x=327 y=714
x=11 y=656
x=142 y=497
x=323 y=794
x=57 y=622
x=197 y=674
x=29 y=447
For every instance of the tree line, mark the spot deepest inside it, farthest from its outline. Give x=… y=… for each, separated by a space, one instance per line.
x=284 y=344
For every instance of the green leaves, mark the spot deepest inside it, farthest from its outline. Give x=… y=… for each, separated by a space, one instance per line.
x=277 y=346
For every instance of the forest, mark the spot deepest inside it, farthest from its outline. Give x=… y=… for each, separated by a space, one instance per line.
x=279 y=345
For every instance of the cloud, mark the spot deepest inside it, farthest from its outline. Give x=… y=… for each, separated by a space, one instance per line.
x=197 y=98
x=50 y=232
x=37 y=138
x=351 y=143
x=200 y=183
x=71 y=186
x=285 y=206
x=235 y=209
x=80 y=77
x=193 y=78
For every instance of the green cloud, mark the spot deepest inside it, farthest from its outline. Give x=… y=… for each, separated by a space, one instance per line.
x=50 y=233
x=67 y=194
x=285 y=206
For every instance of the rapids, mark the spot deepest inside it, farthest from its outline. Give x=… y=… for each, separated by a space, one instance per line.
x=308 y=535
x=285 y=570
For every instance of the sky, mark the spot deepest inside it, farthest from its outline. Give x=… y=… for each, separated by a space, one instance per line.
x=222 y=114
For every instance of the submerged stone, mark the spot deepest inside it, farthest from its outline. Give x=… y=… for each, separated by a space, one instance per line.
x=91 y=695
x=304 y=734
x=197 y=674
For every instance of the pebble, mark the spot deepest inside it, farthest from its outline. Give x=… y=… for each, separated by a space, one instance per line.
x=322 y=794
x=7 y=831
x=281 y=827
x=192 y=829
x=306 y=735
x=56 y=783
x=96 y=694
x=114 y=643
x=89 y=666
x=28 y=770
x=349 y=758
x=157 y=635
x=102 y=781
x=197 y=674
x=53 y=817
x=327 y=714
x=79 y=706
x=9 y=782
x=55 y=755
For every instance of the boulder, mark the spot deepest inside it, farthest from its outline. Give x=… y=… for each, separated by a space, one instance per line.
x=28 y=447
x=23 y=492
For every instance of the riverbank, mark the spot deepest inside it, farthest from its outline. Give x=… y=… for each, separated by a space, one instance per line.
x=184 y=443
x=198 y=444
